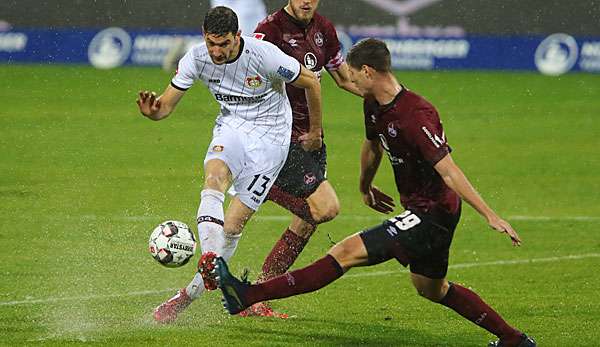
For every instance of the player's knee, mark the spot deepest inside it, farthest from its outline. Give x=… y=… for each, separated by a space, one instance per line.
x=325 y=211
x=435 y=294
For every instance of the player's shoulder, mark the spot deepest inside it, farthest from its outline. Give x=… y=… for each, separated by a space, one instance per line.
x=418 y=107
x=323 y=21
x=258 y=45
x=271 y=24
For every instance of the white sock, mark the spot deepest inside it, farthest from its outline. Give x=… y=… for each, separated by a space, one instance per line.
x=196 y=287
x=231 y=242
x=210 y=221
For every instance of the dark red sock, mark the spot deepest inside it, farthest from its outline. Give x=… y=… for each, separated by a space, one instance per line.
x=469 y=305
x=296 y=205
x=283 y=255
x=315 y=276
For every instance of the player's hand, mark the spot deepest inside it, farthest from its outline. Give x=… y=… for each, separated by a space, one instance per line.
x=148 y=103
x=378 y=200
x=503 y=226
x=311 y=141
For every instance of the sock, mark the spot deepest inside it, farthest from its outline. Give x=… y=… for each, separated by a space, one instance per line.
x=283 y=255
x=297 y=206
x=305 y=280
x=196 y=287
x=469 y=305
x=231 y=242
x=210 y=221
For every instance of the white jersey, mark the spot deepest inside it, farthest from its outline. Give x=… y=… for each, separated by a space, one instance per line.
x=250 y=89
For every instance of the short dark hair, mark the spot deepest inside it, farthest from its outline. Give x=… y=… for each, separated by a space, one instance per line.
x=220 y=21
x=370 y=52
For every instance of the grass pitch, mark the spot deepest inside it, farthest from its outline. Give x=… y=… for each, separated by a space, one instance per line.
x=84 y=178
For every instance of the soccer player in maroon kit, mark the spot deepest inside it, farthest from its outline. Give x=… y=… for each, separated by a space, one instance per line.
x=301 y=186
x=431 y=187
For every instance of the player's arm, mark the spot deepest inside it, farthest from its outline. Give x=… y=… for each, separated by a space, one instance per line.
x=370 y=158
x=457 y=181
x=308 y=80
x=157 y=108
x=341 y=76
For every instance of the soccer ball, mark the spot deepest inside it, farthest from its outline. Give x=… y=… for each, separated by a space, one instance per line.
x=172 y=243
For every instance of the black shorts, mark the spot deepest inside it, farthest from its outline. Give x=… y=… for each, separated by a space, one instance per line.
x=303 y=171
x=421 y=240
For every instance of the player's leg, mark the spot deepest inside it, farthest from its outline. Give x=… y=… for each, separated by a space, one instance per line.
x=302 y=188
x=324 y=206
x=223 y=160
x=351 y=252
x=469 y=305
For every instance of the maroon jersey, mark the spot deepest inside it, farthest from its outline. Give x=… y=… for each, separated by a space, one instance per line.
x=314 y=45
x=410 y=131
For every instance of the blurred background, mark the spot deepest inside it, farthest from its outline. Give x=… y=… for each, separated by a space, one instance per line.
x=550 y=36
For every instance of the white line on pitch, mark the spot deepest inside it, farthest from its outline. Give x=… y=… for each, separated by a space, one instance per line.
x=487 y=263
x=363 y=274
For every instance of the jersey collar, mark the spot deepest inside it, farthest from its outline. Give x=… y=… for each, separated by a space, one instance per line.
x=388 y=106
x=297 y=22
x=239 y=53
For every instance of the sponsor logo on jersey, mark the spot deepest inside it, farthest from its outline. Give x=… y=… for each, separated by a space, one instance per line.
x=319 y=39
x=238 y=99
x=293 y=42
x=391 y=130
x=285 y=73
x=109 y=48
x=310 y=60
x=253 y=81
x=437 y=141
x=218 y=148
x=556 y=54
x=259 y=36
x=214 y=80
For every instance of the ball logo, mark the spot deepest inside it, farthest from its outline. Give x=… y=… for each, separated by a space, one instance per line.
x=556 y=55
x=310 y=60
x=110 y=48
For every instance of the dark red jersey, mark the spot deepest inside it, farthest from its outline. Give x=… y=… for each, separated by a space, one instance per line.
x=410 y=131
x=315 y=45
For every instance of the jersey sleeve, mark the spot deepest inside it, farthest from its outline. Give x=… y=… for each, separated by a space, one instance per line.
x=333 y=49
x=187 y=72
x=280 y=65
x=427 y=134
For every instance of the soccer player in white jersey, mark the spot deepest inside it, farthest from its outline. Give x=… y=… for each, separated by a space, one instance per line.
x=250 y=138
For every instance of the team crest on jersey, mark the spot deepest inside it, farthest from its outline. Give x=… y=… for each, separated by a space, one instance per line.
x=319 y=39
x=310 y=178
x=259 y=36
x=218 y=148
x=310 y=60
x=253 y=81
x=391 y=130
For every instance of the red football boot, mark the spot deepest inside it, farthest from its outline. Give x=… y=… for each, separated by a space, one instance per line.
x=167 y=312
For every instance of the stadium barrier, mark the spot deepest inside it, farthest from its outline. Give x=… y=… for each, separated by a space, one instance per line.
x=112 y=47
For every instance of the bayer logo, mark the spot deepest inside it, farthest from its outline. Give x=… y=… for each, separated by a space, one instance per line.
x=109 y=48
x=556 y=54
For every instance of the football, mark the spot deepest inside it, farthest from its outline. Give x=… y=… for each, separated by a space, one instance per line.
x=172 y=243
